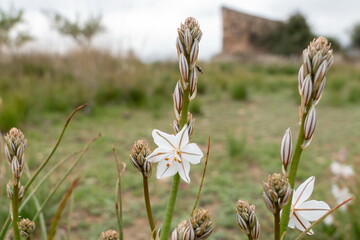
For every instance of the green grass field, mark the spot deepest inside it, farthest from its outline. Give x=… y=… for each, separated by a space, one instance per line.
x=244 y=108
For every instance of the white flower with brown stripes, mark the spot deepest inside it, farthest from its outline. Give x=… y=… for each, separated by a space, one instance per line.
x=302 y=211
x=174 y=154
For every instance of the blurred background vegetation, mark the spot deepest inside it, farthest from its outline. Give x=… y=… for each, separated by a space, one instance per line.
x=244 y=106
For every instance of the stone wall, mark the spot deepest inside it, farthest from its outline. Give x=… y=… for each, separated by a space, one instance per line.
x=241 y=30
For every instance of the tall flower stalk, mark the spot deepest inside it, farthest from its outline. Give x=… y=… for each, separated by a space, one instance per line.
x=14 y=150
x=139 y=152
x=187 y=44
x=276 y=195
x=317 y=59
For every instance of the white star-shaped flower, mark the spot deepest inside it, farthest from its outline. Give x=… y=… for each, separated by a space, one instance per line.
x=174 y=154
x=302 y=211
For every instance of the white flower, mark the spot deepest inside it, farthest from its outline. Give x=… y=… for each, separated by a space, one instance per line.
x=174 y=154
x=340 y=194
x=302 y=211
x=343 y=170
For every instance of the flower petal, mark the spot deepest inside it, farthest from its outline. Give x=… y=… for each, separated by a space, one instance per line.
x=191 y=153
x=159 y=154
x=165 y=170
x=184 y=169
x=164 y=140
x=301 y=223
x=182 y=137
x=312 y=210
x=303 y=192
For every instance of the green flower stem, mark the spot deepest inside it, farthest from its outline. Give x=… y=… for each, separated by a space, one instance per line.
x=285 y=216
x=148 y=206
x=277 y=224
x=170 y=208
x=15 y=212
x=250 y=237
x=202 y=179
x=165 y=230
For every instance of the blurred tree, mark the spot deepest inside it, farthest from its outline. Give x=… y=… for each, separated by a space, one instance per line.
x=81 y=32
x=289 y=38
x=355 y=36
x=8 y=21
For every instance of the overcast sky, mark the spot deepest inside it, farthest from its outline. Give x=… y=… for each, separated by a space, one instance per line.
x=149 y=26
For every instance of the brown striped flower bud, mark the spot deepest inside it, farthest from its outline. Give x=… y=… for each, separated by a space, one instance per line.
x=320 y=73
x=310 y=124
x=307 y=62
x=189 y=233
x=277 y=192
x=286 y=149
x=26 y=227
x=178 y=99
x=21 y=192
x=179 y=47
x=316 y=61
x=181 y=34
x=10 y=189
x=306 y=91
x=175 y=235
x=190 y=121
x=319 y=91
x=109 y=235
x=301 y=78
x=193 y=84
x=184 y=70
x=188 y=40
x=139 y=152
x=194 y=53
x=247 y=220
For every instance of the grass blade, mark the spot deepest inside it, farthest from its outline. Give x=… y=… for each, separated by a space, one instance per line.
x=71 y=208
x=6 y=225
x=118 y=196
x=61 y=208
x=46 y=176
x=202 y=178
x=64 y=177
x=37 y=206
x=43 y=164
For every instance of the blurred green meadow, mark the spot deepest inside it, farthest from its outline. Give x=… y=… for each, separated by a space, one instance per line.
x=244 y=107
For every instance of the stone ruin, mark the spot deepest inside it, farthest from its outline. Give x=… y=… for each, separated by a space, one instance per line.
x=240 y=31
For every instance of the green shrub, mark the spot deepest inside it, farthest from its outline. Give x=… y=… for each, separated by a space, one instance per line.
x=195 y=108
x=236 y=147
x=239 y=92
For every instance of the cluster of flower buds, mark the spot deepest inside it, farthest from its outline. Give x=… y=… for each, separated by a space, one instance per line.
x=318 y=59
x=109 y=235
x=15 y=145
x=277 y=192
x=26 y=227
x=187 y=45
x=190 y=122
x=198 y=227
x=247 y=220
x=286 y=150
x=139 y=152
